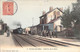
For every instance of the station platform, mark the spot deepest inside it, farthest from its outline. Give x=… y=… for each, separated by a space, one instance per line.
x=6 y=42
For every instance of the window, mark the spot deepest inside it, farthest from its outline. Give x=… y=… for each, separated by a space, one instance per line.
x=54 y=13
x=51 y=17
x=58 y=13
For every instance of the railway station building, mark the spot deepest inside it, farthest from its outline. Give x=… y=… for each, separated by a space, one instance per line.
x=51 y=20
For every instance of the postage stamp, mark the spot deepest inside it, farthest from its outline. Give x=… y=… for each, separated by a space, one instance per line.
x=8 y=8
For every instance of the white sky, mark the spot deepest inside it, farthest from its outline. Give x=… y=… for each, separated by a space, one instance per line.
x=27 y=9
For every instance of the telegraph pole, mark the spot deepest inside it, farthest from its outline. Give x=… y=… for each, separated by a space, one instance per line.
x=33 y=21
x=32 y=25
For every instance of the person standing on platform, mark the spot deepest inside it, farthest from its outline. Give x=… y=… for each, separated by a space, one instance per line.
x=50 y=34
x=8 y=33
x=55 y=33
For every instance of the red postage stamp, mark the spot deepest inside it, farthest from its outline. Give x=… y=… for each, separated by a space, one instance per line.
x=8 y=8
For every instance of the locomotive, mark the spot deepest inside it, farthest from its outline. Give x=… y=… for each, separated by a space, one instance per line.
x=18 y=31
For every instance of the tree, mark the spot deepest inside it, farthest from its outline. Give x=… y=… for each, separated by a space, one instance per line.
x=76 y=16
x=66 y=19
x=76 y=20
x=72 y=17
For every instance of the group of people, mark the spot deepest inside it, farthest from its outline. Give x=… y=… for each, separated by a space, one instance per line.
x=8 y=32
x=49 y=33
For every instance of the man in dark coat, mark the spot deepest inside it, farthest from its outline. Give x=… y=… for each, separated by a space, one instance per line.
x=8 y=33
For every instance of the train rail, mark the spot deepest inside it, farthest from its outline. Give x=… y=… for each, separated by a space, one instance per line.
x=32 y=43
x=55 y=42
x=38 y=41
x=18 y=43
x=28 y=40
x=22 y=42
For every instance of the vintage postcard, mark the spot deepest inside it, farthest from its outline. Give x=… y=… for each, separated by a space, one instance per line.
x=39 y=25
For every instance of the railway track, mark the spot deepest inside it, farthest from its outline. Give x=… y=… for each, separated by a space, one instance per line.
x=54 y=41
x=22 y=42
x=50 y=43
x=46 y=43
x=31 y=41
x=17 y=42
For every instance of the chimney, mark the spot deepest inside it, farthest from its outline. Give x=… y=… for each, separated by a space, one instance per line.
x=78 y=1
x=61 y=9
x=51 y=8
x=43 y=12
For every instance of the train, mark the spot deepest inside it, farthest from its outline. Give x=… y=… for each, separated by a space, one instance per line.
x=21 y=31
x=18 y=31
